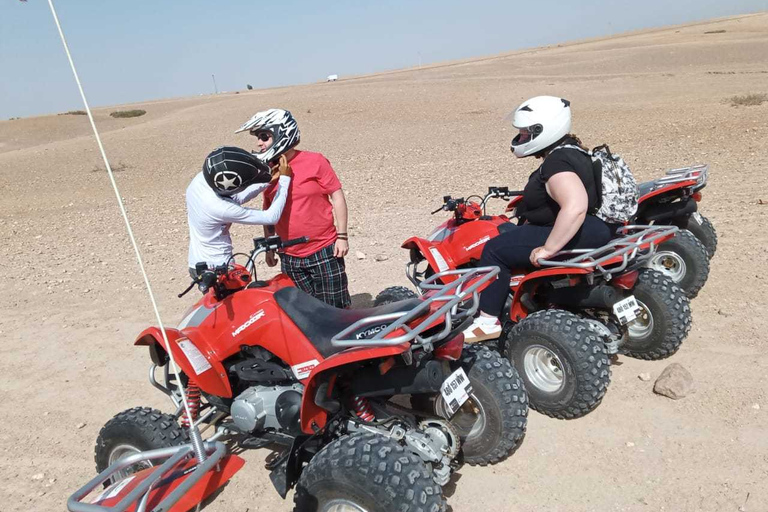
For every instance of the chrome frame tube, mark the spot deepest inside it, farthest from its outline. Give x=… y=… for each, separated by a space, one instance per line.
x=451 y=294
x=215 y=452
x=629 y=247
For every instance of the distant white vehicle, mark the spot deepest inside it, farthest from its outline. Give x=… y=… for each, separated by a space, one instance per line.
x=332 y=78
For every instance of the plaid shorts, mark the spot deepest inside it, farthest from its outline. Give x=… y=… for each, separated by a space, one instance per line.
x=321 y=275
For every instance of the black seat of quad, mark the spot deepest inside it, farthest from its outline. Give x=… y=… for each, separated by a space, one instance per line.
x=320 y=322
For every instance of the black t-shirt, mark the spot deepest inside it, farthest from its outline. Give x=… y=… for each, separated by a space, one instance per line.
x=540 y=209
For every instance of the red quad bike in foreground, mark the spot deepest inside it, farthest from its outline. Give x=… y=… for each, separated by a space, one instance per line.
x=266 y=364
x=562 y=322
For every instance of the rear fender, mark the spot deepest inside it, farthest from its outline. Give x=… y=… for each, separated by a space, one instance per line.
x=667 y=189
x=314 y=417
x=208 y=373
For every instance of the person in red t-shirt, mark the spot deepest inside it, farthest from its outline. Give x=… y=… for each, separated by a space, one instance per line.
x=315 y=197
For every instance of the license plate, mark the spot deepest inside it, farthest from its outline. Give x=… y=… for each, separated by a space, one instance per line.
x=626 y=310
x=697 y=216
x=456 y=390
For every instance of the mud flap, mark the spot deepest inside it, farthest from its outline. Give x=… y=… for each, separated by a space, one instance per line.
x=285 y=470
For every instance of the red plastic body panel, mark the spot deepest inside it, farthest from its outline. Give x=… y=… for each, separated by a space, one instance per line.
x=311 y=413
x=252 y=317
x=211 y=481
x=512 y=204
x=668 y=188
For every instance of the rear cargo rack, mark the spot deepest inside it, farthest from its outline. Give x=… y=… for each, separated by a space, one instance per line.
x=698 y=173
x=637 y=244
x=452 y=295
x=137 y=497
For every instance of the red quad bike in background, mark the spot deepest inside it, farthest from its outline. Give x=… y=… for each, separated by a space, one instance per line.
x=266 y=364
x=562 y=322
x=673 y=199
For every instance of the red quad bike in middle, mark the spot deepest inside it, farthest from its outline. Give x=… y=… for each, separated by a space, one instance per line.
x=673 y=200
x=562 y=322
x=266 y=364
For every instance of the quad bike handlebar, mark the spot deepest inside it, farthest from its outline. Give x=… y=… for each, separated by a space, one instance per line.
x=638 y=243
x=451 y=204
x=452 y=295
x=208 y=278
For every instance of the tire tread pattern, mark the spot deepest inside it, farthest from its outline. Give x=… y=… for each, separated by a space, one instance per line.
x=157 y=429
x=678 y=313
x=592 y=366
x=501 y=378
x=394 y=476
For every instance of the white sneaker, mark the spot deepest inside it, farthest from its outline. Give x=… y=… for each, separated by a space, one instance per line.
x=481 y=329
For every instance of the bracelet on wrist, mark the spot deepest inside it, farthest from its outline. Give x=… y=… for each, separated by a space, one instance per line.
x=341 y=233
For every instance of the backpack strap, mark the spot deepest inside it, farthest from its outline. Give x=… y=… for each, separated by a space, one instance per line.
x=567 y=146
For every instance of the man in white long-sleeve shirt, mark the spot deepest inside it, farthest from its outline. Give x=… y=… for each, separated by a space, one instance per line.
x=230 y=177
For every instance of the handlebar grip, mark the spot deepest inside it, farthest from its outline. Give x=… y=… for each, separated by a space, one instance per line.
x=296 y=241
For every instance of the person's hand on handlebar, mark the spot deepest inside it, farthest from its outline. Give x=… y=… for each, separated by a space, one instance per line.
x=282 y=168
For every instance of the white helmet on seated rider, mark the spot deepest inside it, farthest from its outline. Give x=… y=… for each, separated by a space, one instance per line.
x=542 y=122
x=283 y=127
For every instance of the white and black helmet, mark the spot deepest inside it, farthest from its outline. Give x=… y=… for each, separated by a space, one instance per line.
x=542 y=122
x=285 y=131
x=228 y=170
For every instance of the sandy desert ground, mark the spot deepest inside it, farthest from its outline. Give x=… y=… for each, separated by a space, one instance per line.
x=72 y=299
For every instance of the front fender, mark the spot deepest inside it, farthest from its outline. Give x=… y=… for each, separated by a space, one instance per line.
x=438 y=260
x=191 y=355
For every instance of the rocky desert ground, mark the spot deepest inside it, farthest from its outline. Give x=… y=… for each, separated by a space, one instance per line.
x=73 y=299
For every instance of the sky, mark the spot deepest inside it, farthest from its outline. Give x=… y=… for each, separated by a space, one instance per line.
x=130 y=51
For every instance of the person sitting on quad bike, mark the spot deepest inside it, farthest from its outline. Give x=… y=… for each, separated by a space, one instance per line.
x=230 y=177
x=557 y=206
x=314 y=199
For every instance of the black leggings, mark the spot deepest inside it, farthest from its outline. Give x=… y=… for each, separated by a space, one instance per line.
x=512 y=250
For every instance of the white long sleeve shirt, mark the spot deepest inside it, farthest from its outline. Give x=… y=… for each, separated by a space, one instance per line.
x=210 y=216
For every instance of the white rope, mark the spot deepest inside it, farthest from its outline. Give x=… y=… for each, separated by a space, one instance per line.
x=130 y=235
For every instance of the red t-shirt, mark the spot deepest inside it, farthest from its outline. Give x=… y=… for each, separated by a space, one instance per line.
x=308 y=210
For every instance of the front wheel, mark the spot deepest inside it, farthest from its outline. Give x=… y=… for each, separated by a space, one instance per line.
x=492 y=423
x=664 y=320
x=367 y=472
x=133 y=431
x=683 y=259
x=564 y=365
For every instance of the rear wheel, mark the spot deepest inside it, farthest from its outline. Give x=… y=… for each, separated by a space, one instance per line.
x=394 y=294
x=367 y=473
x=492 y=423
x=133 y=431
x=702 y=228
x=563 y=364
x=683 y=259
x=664 y=321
